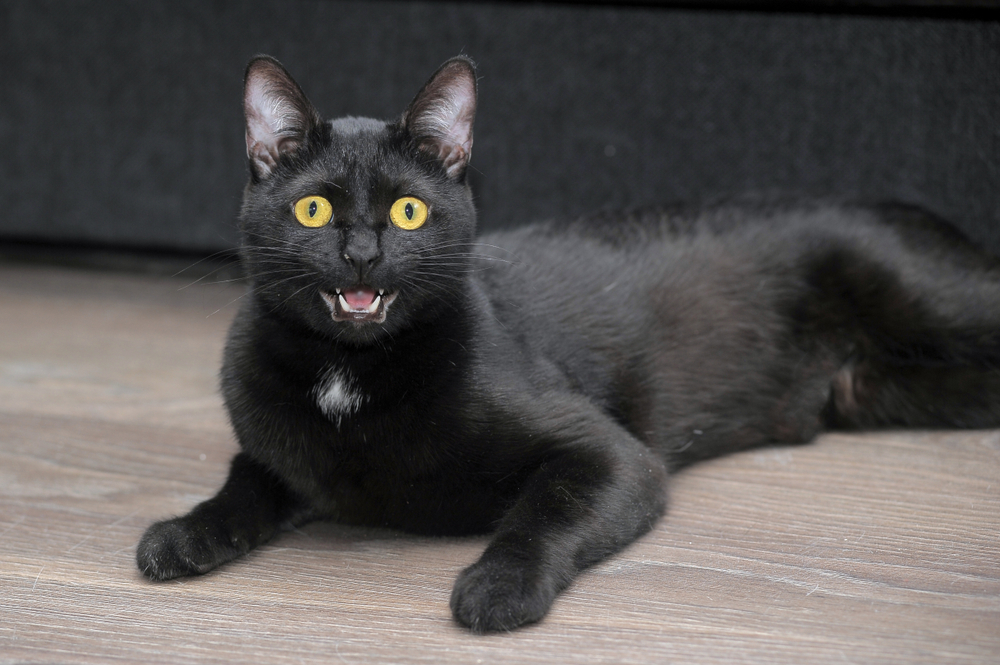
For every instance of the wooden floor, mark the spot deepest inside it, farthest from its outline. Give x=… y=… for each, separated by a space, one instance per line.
x=863 y=548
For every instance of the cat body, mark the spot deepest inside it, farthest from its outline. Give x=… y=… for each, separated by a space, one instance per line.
x=389 y=368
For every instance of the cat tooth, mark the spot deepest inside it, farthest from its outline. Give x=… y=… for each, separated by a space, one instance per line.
x=343 y=302
x=381 y=292
x=372 y=308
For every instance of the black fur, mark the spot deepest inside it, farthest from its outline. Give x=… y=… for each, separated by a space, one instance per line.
x=539 y=384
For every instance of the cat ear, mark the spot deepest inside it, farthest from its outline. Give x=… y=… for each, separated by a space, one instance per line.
x=440 y=117
x=279 y=117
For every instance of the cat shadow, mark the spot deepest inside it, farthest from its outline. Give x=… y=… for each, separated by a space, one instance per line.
x=327 y=536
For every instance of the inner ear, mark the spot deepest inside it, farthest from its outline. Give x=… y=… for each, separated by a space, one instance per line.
x=440 y=117
x=279 y=117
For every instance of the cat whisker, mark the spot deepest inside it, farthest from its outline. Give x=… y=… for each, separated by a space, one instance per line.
x=210 y=274
x=284 y=242
x=462 y=256
x=474 y=244
x=438 y=280
x=423 y=270
x=277 y=252
x=458 y=267
x=231 y=280
x=268 y=285
x=432 y=288
x=279 y=261
x=276 y=259
x=242 y=295
x=275 y=273
x=202 y=260
x=293 y=294
x=502 y=249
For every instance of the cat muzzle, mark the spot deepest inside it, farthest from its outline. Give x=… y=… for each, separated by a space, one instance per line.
x=359 y=304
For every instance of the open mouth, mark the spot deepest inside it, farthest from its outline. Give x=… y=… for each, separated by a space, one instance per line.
x=359 y=303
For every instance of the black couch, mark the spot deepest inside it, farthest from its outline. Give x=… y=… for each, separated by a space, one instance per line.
x=121 y=124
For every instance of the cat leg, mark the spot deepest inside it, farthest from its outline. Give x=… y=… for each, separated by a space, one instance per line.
x=246 y=512
x=596 y=490
x=917 y=312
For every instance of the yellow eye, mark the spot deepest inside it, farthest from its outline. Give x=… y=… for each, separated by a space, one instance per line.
x=408 y=213
x=313 y=211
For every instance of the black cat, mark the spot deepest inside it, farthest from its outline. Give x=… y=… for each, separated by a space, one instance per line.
x=389 y=369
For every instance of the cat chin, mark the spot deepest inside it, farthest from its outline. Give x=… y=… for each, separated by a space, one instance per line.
x=375 y=312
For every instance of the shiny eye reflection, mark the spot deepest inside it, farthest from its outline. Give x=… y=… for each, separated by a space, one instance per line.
x=313 y=211
x=408 y=213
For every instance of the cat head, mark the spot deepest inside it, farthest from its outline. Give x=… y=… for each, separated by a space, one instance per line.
x=356 y=227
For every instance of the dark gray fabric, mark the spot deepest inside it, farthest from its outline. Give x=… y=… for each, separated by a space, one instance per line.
x=120 y=122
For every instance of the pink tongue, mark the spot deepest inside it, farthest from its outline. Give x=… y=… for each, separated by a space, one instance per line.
x=359 y=297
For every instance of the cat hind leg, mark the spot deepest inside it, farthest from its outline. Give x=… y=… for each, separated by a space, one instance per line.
x=921 y=311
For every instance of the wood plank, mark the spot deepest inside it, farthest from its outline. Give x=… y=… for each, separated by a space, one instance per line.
x=879 y=548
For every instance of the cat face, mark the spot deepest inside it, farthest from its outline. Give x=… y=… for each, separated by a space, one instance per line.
x=359 y=228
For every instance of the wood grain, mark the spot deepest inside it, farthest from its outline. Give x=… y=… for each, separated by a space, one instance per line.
x=876 y=548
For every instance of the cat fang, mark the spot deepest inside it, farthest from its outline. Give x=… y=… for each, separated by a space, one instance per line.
x=359 y=304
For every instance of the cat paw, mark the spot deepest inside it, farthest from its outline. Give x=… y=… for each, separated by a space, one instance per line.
x=497 y=595
x=172 y=548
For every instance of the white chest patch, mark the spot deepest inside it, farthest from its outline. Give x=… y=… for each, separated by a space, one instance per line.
x=336 y=397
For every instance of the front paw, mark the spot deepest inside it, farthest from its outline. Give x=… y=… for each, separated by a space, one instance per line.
x=501 y=594
x=174 y=548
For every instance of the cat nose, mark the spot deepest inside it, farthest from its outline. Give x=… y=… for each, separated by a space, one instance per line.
x=362 y=262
